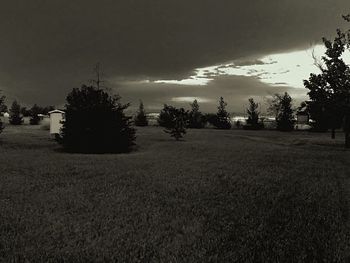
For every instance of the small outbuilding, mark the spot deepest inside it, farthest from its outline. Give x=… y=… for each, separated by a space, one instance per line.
x=303 y=120
x=56 y=119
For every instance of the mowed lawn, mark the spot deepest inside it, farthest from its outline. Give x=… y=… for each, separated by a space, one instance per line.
x=217 y=196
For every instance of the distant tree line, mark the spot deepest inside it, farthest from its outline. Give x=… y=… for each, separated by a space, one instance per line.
x=17 y=112
x=280 y=106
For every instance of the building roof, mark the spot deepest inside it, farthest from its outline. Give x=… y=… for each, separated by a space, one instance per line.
x=56 y=111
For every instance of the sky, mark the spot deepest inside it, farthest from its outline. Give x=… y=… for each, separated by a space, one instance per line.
x=164 y=51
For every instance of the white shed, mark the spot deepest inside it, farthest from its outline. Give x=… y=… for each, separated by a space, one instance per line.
x=56 y=118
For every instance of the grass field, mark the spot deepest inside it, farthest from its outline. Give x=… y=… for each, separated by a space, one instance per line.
x=217 y=196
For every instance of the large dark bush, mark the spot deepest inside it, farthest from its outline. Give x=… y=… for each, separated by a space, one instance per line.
x=95 y=123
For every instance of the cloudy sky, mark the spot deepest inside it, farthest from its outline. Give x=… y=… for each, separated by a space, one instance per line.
x=163 y=51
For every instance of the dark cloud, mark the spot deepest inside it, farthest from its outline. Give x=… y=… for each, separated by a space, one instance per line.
x=49 y=47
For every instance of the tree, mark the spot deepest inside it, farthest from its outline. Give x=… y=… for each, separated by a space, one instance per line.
x=47 y=109
x=141 y=117
x=2 y=126
x=178 y=129
x=15 y=114
x=168 y=114
x=95 y=123
x=177 y=126
x=327 y=90
x=253 y=116
x=25 y=112
x=222 y=116
x=2 y=107
x=34 y=114
x=195 y=117
x=281 y=106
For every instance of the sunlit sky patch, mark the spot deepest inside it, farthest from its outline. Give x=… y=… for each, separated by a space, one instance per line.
x=191 y=99
x=283 y=69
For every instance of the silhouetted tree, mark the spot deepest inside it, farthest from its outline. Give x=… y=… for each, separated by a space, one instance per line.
x=168 y=114
x=47 y=109
x=25 y=112
x=15 y=114
x=210 y=118
x=281 y=106
x=34 y=114
x=238 y=124
x=141 y=117
x=177 y=127
x=329 y=91
x=2 y=109
x=2 y=126
x=319 y=115
x=195 y=117
x=253 y=116
x=95 y=123
x=222 y=116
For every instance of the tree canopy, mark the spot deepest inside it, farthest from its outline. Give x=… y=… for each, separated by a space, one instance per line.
x=222 y=120
x=253 y=116
x=329 y=91
x=16 y=117
x=195 y=118
x=95 y=123
x=141 y=117
x=281 y=107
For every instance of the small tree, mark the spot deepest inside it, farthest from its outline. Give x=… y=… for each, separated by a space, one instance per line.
x=2 y=126
x=168 y=114
x=34 y=115
x=177 y=126
x=3 y=108
x=95 y=123
x=253 y=116
x=25 y=112
x=222 y=116
x=178 y=130
x=141 y=117
x=15 y=114
x=195 y=117
x=281 y=106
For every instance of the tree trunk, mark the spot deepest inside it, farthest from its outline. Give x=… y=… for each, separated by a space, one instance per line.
x=333 y=133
